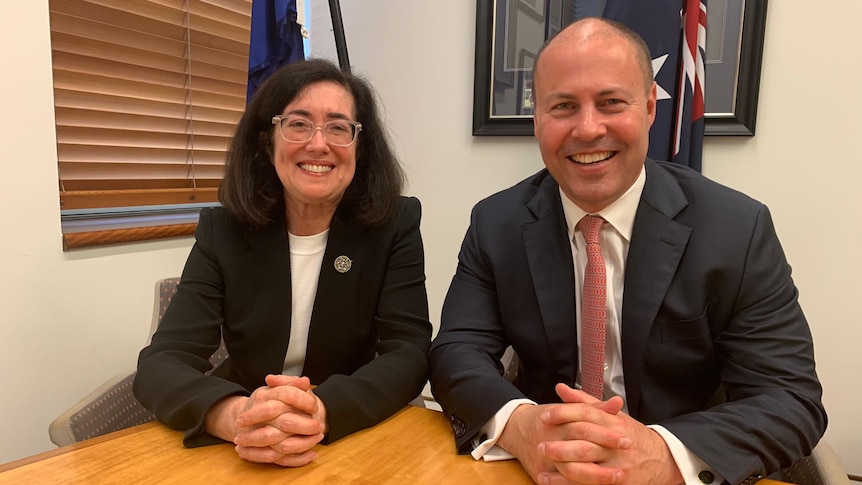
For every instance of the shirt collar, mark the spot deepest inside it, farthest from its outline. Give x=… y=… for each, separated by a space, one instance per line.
x=620 y=214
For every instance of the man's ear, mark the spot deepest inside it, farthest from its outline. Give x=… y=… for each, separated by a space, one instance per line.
x=651 y=101
x=535 y=114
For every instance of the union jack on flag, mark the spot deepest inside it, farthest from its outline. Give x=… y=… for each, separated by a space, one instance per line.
x=675 y=31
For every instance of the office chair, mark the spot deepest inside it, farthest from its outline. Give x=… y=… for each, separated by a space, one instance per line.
x=112 y=406
x=822 y=467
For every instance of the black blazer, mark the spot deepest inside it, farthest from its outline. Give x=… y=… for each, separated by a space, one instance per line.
x=236 y=285
x=709 y=314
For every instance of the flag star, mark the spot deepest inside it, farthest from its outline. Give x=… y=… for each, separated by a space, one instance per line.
x=657 y=64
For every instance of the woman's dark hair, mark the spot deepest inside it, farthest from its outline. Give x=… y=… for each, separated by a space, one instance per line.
x=251 y=189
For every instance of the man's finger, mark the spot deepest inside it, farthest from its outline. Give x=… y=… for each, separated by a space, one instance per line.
x=569 y=395
x=581 y=473
x=558 y=414
x=587 y=432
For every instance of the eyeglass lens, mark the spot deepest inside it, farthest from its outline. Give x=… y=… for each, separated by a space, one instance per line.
x=336 y=132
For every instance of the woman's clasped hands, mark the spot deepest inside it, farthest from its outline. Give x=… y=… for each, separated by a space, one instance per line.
x=279 y=423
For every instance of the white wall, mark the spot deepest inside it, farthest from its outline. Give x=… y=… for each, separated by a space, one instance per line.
x=70 y=320
x=804 y=162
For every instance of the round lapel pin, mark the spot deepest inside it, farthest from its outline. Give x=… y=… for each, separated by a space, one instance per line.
x=343 y=264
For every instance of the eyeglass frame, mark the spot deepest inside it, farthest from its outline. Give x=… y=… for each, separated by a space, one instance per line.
x=276 y=120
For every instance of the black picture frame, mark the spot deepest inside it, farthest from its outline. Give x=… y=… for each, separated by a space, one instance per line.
x=740 y=122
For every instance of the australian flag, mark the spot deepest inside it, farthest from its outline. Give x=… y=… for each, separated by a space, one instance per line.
x=276 y=40
x=675 y=31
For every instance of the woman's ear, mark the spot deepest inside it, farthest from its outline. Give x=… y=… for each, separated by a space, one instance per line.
x=265 y=144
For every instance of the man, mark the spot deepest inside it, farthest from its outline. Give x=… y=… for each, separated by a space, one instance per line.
x=708 y=371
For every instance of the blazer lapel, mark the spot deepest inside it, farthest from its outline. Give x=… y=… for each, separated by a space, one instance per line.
x=269 y=252
x=549 y=257
x=336 y=306
x=657 y=245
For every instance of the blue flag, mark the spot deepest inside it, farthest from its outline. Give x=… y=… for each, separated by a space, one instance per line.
x=675 y=31
x=276 y=40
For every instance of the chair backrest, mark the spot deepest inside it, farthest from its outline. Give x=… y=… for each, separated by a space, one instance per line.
x=165 y=291
x=822 y=467
x=510 y=364
x=112 y=406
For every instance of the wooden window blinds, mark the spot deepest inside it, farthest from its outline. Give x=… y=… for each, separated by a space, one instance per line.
x=147 y=94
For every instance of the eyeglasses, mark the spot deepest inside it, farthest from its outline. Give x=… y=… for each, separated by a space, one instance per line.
x=340 y=133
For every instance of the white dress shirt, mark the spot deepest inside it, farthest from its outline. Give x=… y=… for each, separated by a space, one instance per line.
x=615 y=239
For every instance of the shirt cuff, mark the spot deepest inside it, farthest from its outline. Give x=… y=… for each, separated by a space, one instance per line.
x=485 y=447
x=693 y=470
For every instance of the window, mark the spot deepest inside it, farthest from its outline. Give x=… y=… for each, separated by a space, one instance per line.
x=147 y=95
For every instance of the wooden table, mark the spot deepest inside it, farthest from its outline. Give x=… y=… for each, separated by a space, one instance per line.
x=413 y=447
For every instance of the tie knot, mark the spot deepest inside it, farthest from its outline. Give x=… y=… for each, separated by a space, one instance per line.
x=590 y=226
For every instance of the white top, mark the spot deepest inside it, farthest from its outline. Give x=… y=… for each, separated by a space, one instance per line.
x=306 y=258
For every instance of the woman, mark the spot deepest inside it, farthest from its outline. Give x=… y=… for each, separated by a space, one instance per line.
x=314 y=267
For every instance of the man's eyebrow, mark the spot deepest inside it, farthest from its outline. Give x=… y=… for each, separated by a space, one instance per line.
x=604 y=92
x=615 y=91
x=560 y=95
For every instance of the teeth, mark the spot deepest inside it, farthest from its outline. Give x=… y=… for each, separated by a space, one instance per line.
x=591 y=157
x=315 y=168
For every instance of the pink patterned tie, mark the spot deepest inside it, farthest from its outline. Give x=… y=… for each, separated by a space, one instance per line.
x=594 y=301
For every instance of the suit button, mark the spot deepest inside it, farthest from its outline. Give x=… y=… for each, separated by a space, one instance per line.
x=458 y=427
x=706 y=476
x=752 y=479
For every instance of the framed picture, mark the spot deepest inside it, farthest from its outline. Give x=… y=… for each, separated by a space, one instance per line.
x=537 y=6
x=509 y=33
x=734 y=50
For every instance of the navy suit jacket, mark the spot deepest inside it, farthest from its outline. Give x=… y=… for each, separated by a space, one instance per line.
x=236 y=286
x=715 y=346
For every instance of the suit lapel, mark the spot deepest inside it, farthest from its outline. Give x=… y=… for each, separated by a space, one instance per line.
x=657 y=245
x=549 y=257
